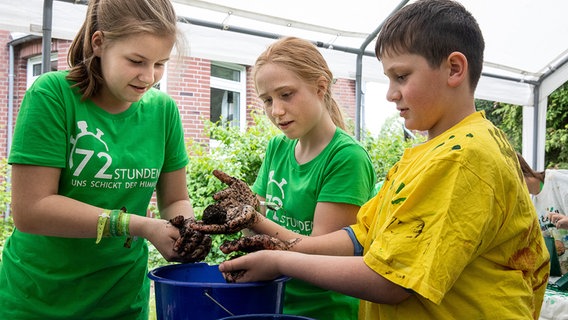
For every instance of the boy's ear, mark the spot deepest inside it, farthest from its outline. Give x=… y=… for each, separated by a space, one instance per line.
x=458 y=67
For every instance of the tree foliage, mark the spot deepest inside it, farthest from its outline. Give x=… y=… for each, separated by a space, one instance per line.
x=557 y=128
x=6 y=223
x=509 y=118
x=386 y=148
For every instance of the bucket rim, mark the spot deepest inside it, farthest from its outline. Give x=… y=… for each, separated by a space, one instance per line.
x=266 y=315
x=153 y=275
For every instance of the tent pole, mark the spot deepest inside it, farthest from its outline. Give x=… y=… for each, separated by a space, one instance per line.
x=359 y=108
x=536 y=125
x=46 y=41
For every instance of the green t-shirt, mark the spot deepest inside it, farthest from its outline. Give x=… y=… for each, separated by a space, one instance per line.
x=341 y=173
x=106 y=160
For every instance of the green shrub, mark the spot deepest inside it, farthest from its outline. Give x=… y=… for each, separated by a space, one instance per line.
x=387 y=148
x=5 y=197
x=6 y=223
x=6 y=228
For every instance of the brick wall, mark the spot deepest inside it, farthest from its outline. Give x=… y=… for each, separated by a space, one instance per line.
x=21 y=55
x=4 y=80
x=253 y=102
x=344 y=92
x=188 y=83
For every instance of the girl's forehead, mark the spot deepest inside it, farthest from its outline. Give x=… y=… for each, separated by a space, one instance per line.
x=273 y=80
x=146 y=45
x=274 y=73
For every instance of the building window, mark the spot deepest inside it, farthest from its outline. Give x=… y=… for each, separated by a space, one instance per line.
x=228 y=94
x=34 y=67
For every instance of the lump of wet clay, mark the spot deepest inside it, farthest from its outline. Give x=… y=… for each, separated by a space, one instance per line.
x=214 y=214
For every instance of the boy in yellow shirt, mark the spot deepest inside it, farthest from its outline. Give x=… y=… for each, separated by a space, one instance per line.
x=452 y=234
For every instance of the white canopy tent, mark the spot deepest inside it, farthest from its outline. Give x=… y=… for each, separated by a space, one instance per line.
x=526 y=55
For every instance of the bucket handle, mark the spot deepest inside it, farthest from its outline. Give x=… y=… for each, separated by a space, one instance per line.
x=206 y=293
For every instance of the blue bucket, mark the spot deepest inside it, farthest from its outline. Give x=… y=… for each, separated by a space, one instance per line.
x=267 y=317
x=198 y=291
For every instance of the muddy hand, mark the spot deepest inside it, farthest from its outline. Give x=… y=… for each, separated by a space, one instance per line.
x=237 y=194
x=255 y=266
x=256 y=243
x=192 y=245
x=238 y=218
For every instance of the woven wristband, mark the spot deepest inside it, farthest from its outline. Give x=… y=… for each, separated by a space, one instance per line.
x=125 y=224
x=119 y=224
x=114 y=230
x=125 y=228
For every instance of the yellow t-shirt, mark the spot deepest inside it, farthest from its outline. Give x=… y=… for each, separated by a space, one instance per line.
x=454 y=223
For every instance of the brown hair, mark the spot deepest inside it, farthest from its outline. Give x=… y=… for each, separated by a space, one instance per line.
x=118 y=19
x=528 y=171
x=304 y=59
x=433 y=29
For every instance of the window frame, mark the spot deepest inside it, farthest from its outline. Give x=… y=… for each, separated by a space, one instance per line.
x=235 y=86
x=33 y=61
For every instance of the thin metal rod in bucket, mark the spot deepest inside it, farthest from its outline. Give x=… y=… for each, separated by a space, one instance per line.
x=217 y=303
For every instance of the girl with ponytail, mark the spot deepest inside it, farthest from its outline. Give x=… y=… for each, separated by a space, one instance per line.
x=82 y=139
x=315 y=175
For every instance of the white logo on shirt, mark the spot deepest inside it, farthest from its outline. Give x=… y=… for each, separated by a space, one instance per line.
x=88 y=154
x=96 y=156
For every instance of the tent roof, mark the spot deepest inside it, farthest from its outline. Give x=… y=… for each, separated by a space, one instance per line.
x=526 y=56
x=524 y=38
